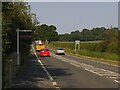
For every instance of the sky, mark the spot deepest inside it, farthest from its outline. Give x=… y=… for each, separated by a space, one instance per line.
x=59 y=0
x=72 y=16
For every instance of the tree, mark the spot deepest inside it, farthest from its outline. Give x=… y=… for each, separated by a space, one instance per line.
x=45 y=32
x=111 y=40
x=15 y=15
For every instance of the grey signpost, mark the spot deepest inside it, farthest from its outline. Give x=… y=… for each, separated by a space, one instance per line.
x=18 y=53
x=77 y=42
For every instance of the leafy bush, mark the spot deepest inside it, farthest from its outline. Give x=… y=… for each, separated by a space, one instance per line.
x=113 y=47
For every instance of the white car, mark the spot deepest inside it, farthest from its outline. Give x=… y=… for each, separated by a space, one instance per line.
x=60 y=51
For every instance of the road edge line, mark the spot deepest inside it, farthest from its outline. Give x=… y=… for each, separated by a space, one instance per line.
x=48 y=74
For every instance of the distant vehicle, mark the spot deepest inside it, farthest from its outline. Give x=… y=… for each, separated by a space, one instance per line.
x=39 y=45
x=60 y=51
x=45 y=52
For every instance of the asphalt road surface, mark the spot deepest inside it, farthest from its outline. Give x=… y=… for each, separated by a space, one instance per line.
x=65 y=71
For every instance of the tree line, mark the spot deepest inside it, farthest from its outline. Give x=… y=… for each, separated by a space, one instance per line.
x=94 y=34
x=109 y=38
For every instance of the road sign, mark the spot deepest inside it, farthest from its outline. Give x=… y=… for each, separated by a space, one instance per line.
x=77 y=42
x=25 y=34
x=18 y=31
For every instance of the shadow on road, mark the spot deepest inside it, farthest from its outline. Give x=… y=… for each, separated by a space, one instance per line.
x=54 y=68
x=58 y=72
x=32 y=76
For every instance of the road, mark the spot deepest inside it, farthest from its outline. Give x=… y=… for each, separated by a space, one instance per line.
x=65 y=71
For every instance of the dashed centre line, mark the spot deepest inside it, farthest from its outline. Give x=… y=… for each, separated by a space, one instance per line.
x=90 y=68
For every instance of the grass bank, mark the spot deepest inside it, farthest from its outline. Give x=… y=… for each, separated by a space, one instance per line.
x=86 y=49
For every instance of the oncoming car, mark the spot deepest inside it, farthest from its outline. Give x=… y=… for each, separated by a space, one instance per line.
x=60 y=51
x=45 y=52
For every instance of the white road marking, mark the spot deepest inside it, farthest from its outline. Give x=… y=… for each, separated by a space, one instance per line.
x=117 y=81
x=50 y=77
x=96 y=73
x=93 y=71
x=54 y=83
x=74 y=64
x=114 y=77
x=107 y=74
x=90 y=68
x=103 y=70
x=97 y=61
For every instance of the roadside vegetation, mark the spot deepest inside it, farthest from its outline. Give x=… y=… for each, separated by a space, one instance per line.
x=107 y=48
x=15 y=16
x=70 y=48
x=18 y=15
x=44 y=32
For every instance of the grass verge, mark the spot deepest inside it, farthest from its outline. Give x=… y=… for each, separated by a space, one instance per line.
x=97 y=56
